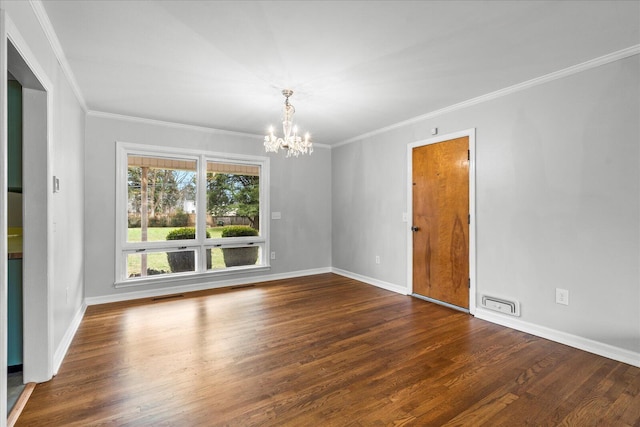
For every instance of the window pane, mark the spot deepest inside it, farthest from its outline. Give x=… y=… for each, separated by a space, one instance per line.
x=161 y=198
x=154 y=263
x=162 y=188
x=233 y=197
x=232 y=257
x=217 y=261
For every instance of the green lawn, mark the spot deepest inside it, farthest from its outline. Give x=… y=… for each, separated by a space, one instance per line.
x=158 y=260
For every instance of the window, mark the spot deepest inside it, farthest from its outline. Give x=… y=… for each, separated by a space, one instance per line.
x=186 y=213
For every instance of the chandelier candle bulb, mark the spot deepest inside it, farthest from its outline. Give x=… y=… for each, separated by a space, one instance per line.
x=294 y=144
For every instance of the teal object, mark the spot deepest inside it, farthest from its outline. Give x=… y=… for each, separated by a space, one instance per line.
x=14 y=131
x=14 y=315
x=14 y=178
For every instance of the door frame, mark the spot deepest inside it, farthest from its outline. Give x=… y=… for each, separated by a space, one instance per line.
x=471 y=134
x=38 y=336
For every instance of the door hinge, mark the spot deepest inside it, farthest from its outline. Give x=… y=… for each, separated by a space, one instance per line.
x=469 y=283
x=469 y=219
x=468 y=154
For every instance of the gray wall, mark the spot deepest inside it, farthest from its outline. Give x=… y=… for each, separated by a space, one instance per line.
x=300 y=190
x=557 y=201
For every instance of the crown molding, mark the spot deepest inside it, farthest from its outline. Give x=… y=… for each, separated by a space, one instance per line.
x=146 y=121
x=50 y=33
x=593 y=63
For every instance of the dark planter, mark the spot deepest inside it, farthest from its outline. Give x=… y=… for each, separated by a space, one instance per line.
x=234 y=257
x=185 y=261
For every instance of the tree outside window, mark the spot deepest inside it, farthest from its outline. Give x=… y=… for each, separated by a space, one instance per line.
x=166 y=231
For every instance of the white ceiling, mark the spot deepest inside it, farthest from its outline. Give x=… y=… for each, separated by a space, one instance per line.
x=355 y=66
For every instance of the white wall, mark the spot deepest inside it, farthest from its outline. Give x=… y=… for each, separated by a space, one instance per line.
x=300 y=190
x=65 y=159
x=558 y=201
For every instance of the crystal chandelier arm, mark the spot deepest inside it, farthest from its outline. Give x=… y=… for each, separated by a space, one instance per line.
x=291 y=141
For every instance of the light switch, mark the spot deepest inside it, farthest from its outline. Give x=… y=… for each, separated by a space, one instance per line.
x=276 y=215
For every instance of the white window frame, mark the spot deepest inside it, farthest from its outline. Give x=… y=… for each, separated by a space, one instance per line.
x=200 y=244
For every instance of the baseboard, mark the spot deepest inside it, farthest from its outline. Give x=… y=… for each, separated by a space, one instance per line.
x=601 y=349
x=62 y=349
x=591 y=346
x=371 y=281
x=150 y=293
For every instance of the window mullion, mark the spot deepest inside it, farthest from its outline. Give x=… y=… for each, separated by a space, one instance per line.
x=165 y=160
x=201 y=213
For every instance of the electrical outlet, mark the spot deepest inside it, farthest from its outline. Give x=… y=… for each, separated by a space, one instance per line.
x=273 y=255
x=377 y=259
x=562 y=296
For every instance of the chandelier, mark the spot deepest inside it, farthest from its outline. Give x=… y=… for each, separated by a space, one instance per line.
x=291 y=141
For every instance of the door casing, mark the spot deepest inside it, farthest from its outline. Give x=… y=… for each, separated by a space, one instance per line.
x=38 y=268
x=471 y=134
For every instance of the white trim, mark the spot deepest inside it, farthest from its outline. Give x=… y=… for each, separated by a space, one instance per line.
x=371 y=281
x=154 y=122
x=122 y=247
x=190 y=277
x=4 y=265
x=65 y=343
x=149 y=149
x=574 y=69
x=38 y=365
x=591 y=346
x=471 y=134
x=47 y=27
x=20 y=44
x=128 y=296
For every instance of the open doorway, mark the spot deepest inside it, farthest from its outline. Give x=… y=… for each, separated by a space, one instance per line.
x=15 y=381
x=37 y=349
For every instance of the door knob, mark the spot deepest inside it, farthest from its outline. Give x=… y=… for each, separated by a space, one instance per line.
x=414 y=229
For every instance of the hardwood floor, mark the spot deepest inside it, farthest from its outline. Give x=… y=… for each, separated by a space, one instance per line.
x=321 y=351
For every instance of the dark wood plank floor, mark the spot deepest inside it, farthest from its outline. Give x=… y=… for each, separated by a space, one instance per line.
x=322 y=351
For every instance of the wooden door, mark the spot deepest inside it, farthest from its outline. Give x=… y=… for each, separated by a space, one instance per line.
x=440 y=174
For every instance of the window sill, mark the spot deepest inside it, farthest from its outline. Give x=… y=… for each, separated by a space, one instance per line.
x=176 y=278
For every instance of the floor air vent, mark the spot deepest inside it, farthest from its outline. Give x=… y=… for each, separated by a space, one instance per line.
x=501 y=305
x=166 y=297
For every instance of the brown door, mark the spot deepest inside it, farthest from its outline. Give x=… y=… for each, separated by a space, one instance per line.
x=441 y=221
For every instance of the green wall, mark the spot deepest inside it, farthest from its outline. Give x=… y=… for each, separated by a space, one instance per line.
x=14 y=149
